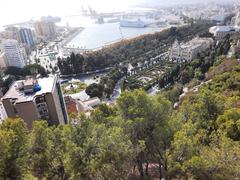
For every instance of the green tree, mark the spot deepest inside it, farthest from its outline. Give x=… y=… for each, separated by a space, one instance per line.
x=5 y=140
x=13 y=71
x=39 y=149
x=185 y=146
x=58 y=166
x=33 y=69
x=219 y=160
x=173 y=92
x=147 y=122
x=14 y=163
x=198 y=74
x=229 y=122
x=95 y=90
x=97 y=151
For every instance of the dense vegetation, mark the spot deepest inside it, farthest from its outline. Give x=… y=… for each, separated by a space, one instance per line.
x=133 y=51
x=182 y=72
x=140 y=137
x=107 y=83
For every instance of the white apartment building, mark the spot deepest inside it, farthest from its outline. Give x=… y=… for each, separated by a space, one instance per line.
x=13 y=53
x=219 y=32
x=183 y=52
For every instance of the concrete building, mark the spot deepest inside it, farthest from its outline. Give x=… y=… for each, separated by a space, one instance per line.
x=26 y=37
x=13 y=53
x=45 y=29
x=34 y=99
x=3 y=60
x=10 y=32
x=219 y=32
x=182 y=52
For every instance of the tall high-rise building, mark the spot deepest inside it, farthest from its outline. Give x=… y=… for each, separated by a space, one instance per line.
x=26 y=37
x=35 y=99
x=13 y=53
x=45 y=28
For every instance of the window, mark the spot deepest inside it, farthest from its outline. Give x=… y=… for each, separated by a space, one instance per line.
x=42 y=107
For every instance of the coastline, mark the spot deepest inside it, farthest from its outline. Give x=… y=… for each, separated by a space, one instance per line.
x=107 y=44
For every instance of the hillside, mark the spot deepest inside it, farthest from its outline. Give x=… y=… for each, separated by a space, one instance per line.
x=141 y=136
x=206 y=144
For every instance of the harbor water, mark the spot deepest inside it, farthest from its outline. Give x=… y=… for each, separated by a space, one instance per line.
x=95 y=36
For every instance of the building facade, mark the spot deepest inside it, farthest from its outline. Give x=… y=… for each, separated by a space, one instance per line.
x=45 y=28
x=13 y=53
x=34 y=99
x=26 y=37
x=183 y=52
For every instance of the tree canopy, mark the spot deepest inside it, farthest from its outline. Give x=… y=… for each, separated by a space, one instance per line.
x=141 y=137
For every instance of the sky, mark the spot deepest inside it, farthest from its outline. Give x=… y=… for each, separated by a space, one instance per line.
x=13 y=11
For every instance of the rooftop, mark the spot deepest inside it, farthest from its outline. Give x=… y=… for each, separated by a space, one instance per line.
x=80 y=96
x=92 y=102
x=18 y=93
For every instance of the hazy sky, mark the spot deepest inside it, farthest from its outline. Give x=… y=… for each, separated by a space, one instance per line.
x=12 y=10
x=18 y=10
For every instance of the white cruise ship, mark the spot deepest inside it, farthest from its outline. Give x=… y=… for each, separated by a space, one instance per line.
x=132 y=23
